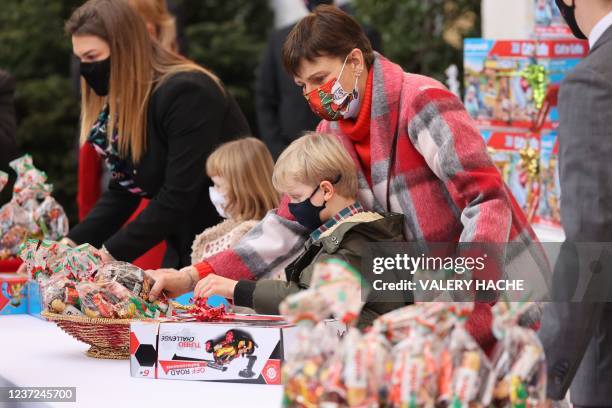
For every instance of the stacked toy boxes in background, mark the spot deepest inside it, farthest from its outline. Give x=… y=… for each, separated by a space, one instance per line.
x=505 y=85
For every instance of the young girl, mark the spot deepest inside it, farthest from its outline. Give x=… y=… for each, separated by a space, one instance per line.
x=243 y=193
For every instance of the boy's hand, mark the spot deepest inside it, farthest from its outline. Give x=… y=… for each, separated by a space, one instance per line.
x=215 y=285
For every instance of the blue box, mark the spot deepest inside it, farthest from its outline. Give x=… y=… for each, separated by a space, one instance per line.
x=13 y=294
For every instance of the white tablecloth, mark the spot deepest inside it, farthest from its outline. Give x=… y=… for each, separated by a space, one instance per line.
x=36 y=353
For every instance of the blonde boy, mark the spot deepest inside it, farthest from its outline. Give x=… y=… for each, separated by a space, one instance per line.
x=320 y=178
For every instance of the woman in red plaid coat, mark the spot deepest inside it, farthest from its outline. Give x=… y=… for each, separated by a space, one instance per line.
x=417 y=151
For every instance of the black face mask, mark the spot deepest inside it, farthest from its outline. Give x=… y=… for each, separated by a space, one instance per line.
x=97 y=75
x=308 y=214
x=569 y=15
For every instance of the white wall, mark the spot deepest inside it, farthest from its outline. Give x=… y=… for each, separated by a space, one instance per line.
x=507 y=19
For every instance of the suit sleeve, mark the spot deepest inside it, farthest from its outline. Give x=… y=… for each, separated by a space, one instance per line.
x=192 y=122
x=586 y=210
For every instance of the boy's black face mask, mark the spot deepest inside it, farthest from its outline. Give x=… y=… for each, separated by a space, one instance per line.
x=569 y=15
x=306 y=213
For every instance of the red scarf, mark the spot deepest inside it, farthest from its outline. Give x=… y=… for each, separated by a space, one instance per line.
x=359 y=130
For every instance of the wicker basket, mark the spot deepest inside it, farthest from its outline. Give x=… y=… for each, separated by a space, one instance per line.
x=108 y=338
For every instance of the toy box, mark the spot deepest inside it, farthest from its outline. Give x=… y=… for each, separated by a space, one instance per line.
x=506 y=81
x=250 y=349
x=241 y=351
x=516 y=155
x=13 y=294
x=18 y=295
x=548 y=21
x=549 y=211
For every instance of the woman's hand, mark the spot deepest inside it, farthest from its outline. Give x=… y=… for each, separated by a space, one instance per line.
x=215 y=285
x=172 y=282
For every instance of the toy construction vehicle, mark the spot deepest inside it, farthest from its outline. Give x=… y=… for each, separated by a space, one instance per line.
x=235 y=343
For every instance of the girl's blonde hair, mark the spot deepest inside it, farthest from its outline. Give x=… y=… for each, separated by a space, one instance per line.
x=313 y=158
x=247 y=166
x=138 y=65
x=156 y=12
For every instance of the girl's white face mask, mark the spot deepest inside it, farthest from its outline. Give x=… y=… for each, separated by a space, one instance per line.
x=218 y=201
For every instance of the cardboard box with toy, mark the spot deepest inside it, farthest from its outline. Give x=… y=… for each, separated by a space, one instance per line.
x=250 y=349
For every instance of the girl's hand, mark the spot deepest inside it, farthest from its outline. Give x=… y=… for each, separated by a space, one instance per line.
x=215 y=285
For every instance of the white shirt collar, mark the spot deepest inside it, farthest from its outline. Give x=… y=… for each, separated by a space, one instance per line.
x=600 y=28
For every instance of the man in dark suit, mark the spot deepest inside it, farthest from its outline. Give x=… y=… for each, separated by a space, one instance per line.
x=8 y=126
x=577 y=337
x=282 y=112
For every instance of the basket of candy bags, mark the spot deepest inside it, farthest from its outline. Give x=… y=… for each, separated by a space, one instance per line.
x=90 y=300
x=419 y=356
x=31 y=213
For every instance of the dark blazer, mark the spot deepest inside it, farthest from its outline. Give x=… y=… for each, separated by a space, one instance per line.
x=577 y=337
x=189 y=115
x=8 y=127
x=282 y=112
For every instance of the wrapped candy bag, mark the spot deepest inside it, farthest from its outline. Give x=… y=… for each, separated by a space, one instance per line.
x=11 y=240
x=359 y=372
x=339 y=284
x=31 y=182
x=415 y=373
x=25 y=216
x=59 y=295
x=305 y=363
x=519 y=374
x=105 y=299
x=51 y=219
x=305 y=306
x=471 y=373
x=347 y=372
x=43 y=258
x=126 y=274
x=82 y=261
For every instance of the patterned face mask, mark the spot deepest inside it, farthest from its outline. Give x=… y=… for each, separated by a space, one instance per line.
x=331 y=102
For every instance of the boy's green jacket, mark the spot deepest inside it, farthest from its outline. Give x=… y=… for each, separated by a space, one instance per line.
x=347 y=241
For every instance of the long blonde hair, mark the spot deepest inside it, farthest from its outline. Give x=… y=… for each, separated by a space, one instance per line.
x=247 y=166
x=156 y=12
x=138 y=65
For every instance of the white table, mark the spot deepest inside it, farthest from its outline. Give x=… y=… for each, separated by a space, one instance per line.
x=35 y=353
